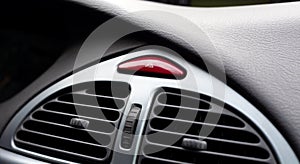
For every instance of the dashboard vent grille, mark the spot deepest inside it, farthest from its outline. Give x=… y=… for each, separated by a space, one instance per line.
x=218 y=133
x=77 y=124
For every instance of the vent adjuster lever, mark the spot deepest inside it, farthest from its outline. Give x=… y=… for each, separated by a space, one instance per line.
x=79 y=123
x=194 y=144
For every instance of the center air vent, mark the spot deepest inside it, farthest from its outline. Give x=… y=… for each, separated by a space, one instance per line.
x=186 y=127
x=77 y=124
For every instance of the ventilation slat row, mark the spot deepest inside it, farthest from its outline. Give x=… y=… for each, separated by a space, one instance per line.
x=177 y=115
x=48 y=130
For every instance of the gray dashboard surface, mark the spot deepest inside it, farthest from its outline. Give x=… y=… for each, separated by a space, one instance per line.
x=257 y=45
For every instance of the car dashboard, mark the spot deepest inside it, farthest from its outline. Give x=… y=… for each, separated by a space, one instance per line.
x=145 y=82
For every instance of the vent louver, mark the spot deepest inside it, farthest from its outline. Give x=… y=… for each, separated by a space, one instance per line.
x=77 y=124
x=223 y=133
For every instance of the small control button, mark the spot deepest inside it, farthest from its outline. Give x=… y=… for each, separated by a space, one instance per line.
x=152 y=66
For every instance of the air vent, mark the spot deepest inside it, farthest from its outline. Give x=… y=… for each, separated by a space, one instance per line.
x=77 y=124
x=186 y=127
